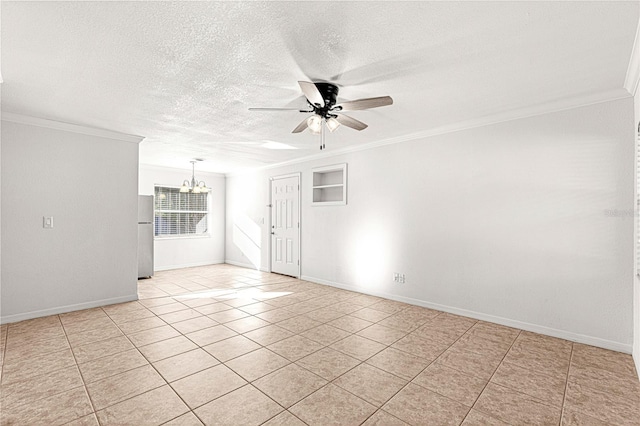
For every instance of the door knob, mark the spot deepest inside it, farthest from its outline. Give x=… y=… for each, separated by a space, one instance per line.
x=273 y=233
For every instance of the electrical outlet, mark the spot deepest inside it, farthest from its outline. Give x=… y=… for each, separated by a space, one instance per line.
x=398 y=278
x=47 y=222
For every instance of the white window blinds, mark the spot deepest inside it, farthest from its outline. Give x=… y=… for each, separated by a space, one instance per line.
x=180 y=213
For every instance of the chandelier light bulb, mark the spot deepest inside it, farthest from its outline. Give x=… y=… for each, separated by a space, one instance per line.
x=332 y=124
x=315 y=123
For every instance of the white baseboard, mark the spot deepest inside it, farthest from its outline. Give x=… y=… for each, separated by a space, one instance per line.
x=67 y=308
x=244 y=265
x=562 y=334
x=636 y=360
x=186 y=265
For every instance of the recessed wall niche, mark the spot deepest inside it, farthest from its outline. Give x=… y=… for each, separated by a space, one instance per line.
x=330 y=185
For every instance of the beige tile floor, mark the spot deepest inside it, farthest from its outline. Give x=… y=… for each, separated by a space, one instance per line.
x=222 y=345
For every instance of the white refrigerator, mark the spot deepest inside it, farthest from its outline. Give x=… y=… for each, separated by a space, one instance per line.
x=145 y=236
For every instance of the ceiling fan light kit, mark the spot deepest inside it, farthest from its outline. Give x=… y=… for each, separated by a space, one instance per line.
x=322 y=98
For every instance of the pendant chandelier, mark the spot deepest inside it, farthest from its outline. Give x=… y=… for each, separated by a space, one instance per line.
x=194 y=186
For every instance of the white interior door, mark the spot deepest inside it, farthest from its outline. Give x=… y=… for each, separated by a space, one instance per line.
x=285 y=225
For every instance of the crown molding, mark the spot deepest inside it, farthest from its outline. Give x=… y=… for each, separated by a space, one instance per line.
x=633 y=71
x=68 y=127
x=178 y=170
x=531 y=111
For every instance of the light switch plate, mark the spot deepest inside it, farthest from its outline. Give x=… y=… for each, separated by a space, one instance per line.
x=47 y=222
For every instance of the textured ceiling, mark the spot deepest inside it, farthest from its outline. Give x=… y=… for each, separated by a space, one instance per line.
x=184 y=74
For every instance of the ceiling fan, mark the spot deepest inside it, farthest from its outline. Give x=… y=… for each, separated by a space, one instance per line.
x=322 y=98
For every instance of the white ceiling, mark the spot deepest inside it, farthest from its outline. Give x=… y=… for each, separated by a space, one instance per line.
x=184 y=74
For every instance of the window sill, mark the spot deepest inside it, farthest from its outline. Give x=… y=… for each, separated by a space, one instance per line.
x=181 y=237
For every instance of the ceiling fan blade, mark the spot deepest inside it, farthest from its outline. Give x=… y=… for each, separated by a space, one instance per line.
x=276 y=109
x=350 y=122
x=312 y=93
x=302 y=126
x=365 y=103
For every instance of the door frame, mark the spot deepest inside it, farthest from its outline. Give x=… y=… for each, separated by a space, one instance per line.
x=270 y=205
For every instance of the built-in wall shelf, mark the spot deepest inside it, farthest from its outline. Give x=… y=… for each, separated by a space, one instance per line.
x=330 y=185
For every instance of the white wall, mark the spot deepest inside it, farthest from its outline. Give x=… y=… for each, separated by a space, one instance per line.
x=172 y=253
x=506 y=222
x=88 y=183
x=636 y=282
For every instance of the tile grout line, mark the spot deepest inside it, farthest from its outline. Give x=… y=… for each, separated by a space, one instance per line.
x=4 y=352
x=394 y=394
x=334 y=379
x=328 y=346
x=42 y=374
x=324 y=347
x=167 y=383
x=566 y=386
x=84 y=383
x=148 y=362
x=235 y=372
x=493 y=374
x=519 y=391
x=136 y=348
x=536 y=370
x=409 y=381
x=594 y=388
x=192 y=410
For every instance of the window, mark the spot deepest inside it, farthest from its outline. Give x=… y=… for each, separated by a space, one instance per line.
x=179 y=214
